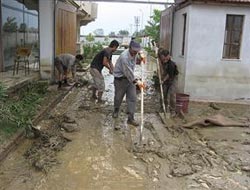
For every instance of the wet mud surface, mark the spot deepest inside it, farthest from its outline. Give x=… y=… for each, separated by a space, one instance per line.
x=82 y=147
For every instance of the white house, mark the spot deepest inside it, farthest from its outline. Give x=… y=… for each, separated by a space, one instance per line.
x=210 y=42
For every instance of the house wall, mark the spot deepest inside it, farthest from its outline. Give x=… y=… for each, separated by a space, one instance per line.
x=46 y=17
x=208 y=76
x=177 y=45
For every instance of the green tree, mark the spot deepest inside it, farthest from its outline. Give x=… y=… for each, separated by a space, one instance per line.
x=123 y=33
x=111 y=34
x=10 y=25
x=90 y=38
x=153 y=28
x=22 y=27
x=106 y=40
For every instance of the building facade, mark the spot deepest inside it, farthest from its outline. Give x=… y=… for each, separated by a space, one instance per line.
x=47 y=27
x=209 y=40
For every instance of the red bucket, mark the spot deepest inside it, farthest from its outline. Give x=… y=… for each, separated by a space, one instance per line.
x=182 y=101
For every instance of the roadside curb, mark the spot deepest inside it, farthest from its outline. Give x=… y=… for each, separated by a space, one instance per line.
x=19 y=136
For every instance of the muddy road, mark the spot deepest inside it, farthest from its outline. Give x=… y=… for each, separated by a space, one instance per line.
x=88 y=149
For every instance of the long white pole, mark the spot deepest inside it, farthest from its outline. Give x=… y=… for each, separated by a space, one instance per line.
x=142 y=102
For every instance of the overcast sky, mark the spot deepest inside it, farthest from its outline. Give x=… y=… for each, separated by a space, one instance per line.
x=113 y=17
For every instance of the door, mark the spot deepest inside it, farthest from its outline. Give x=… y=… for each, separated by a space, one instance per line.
x=65 y=32
x=166 y=28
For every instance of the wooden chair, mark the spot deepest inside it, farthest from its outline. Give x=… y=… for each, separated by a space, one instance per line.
x=22 y=56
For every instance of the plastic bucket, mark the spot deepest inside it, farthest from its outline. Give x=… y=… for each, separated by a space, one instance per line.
x=182 y=101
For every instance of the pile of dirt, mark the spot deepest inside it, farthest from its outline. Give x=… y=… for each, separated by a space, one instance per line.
x=42 y=154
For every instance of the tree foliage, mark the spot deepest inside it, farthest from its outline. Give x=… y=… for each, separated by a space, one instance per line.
x=153 y=28
x=10 y=25
x=112 y=34
x=123 y=33
x=90 y=37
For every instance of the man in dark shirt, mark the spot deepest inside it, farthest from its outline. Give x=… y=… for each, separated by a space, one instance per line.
x=169 y=80
x=102 y=59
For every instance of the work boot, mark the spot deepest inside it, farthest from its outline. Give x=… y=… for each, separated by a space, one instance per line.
x=59 y=84
x=94 y=93
x=115 y=113
x=65 y=81
x=132 y=122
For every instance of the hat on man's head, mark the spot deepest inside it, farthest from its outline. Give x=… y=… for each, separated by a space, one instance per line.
x=135 y=46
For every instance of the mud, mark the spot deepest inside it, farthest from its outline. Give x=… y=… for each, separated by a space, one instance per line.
x=105 y=153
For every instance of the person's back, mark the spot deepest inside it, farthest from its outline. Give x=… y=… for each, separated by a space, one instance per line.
x=67 y=59
x=64 y=63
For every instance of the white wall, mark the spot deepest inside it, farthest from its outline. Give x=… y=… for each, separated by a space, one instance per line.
x=208 y=76
x=46 y=16
x=177 y=45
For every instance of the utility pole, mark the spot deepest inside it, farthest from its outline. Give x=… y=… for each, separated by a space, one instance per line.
x=141 y=19
x=131 y=29
x=150 y=10
x=137 y=23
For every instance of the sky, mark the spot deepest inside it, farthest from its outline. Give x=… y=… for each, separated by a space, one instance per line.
x=113 y=17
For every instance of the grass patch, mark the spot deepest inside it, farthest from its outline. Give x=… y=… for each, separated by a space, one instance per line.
x=17 y=111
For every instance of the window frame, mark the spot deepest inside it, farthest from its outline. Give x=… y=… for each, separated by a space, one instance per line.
x=230 y=37
x=184 y=34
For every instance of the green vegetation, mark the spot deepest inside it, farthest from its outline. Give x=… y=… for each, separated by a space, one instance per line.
x=90 y=38
x=123 y=33
x=17 y=111
x=153 y=28
x=90 y=50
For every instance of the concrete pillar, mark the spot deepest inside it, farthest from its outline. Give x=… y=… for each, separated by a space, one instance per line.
x=47 y=41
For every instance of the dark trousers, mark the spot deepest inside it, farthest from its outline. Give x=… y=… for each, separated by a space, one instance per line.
x=122 y=87
x=169 y=91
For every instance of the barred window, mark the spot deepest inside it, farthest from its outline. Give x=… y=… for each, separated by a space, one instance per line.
x=233 y=32
x=184 y=33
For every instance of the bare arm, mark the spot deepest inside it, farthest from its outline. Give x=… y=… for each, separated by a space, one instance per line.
x=107 y=64
x=165 y=78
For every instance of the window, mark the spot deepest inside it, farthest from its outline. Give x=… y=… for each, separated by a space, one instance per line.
x=184 y=34
x=232 y=40
x=19 y=27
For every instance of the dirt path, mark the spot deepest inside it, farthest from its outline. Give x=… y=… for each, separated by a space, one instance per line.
x=101 y=158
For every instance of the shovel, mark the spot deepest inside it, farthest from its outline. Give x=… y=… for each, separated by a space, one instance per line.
x=142 y=101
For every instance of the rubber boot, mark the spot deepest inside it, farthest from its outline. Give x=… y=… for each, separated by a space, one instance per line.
x=115 y=113
x=65 y=81
x=131 y=120
x=59 y=84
